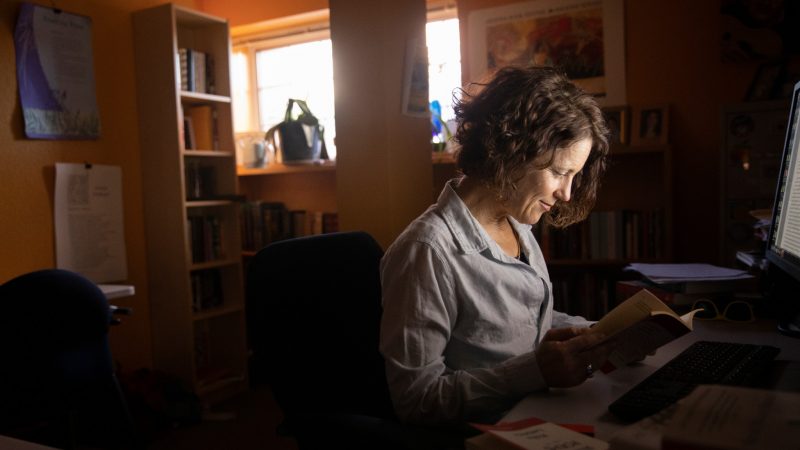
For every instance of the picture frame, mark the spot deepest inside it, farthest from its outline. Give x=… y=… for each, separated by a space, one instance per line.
x=591 y=50
x=618 y=122
x=650 y=125
x=765 y=81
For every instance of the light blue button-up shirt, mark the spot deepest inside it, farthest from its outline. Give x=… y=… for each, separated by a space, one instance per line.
x=461 y=319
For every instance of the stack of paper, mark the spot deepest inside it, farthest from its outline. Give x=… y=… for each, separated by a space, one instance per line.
x=692 y=278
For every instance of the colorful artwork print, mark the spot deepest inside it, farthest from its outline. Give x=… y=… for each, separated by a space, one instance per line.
x=572 y=40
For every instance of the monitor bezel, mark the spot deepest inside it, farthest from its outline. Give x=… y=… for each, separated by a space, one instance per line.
x=786 y=262
x=786 y=283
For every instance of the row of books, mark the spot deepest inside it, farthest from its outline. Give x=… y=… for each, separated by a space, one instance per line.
x=197 y=71
x=200 y=180
x=205 y=237
x=582 y=293
x=206 y=289
x=620 y=234
x=265 y=222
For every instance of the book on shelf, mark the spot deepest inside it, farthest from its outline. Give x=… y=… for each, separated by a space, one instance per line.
x=533 y=434
x=606 y=235
x=299 y=222
x=205 y=237
x=206 y=289
x=264 y=222
x=330 y=222
x=183 y=59
x=203 y=123
x=188 y=134
x=200 y=181
x=638 y=326
x=196 y=71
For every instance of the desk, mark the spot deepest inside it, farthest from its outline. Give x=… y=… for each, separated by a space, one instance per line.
x=588 y=402
x=16 y=444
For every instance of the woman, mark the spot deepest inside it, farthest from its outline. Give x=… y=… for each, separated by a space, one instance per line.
x=468 y=327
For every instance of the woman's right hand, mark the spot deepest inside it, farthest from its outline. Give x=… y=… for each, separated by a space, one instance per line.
x=563 y=358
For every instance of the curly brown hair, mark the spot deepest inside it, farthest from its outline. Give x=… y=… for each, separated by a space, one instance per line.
x=524 y=115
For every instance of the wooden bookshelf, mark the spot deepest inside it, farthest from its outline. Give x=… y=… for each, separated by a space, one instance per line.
x=191 y=222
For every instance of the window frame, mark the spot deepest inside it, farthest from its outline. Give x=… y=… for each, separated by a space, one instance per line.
x=297 y=29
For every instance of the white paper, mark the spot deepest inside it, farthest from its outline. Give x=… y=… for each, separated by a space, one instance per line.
x=548 y=436
x=732 y=417
x=90 y=239
x=678 y=273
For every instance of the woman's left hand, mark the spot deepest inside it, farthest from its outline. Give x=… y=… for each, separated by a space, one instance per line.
x=563 y=358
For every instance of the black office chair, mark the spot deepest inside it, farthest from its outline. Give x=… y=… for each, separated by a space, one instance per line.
x=314 y=308
x=57 y=380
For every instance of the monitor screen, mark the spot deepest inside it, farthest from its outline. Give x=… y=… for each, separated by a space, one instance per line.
x=783 y=243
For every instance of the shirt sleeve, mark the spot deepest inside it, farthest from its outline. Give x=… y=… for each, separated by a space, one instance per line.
x=563 y=320
x=420 y=310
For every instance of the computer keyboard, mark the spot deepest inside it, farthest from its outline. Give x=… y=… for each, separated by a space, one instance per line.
x=704 y=362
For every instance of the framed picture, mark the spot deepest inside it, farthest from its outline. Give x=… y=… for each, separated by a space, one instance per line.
x=765 y=81
x=650 y=125
x=584 y=38
x=617 y=120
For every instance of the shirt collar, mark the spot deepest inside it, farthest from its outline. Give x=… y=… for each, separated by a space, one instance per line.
x=468 y=233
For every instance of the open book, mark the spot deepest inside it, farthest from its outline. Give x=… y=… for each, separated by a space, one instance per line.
x=638 y=326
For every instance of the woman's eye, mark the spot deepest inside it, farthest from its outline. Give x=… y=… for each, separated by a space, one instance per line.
x=560 y=174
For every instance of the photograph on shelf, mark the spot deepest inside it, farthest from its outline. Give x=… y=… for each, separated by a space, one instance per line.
x=650 y=125
x=617 y=119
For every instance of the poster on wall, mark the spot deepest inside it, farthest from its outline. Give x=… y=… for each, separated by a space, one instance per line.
x=415 y=79
x=55 y=74
x=586 y=38
x=88 y=221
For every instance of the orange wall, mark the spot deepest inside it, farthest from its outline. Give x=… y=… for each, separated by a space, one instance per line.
x=243 y=12
x=27 y=166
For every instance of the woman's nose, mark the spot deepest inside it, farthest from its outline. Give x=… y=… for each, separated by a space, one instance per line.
x=564 y=191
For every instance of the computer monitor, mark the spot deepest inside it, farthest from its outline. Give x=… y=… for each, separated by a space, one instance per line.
x=783 y=243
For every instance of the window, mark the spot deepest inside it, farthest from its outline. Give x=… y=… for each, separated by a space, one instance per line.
x=444 y=70
x=268 y=72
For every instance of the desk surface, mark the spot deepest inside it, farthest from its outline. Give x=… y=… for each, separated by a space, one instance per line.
x=588 y=403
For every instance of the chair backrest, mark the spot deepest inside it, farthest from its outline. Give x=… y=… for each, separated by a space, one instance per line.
x=57 y=380
x=314 y=307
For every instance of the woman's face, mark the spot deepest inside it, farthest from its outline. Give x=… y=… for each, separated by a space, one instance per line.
x=540 y=189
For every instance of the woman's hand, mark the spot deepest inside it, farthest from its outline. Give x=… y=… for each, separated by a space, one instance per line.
x=563 y=358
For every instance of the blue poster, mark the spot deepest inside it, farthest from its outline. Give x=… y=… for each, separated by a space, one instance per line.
x=55 y=74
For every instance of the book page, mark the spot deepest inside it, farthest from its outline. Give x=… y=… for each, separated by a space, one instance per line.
x=639 y=326
x=734 y=417
x=634 y=309
x=545 y=435
x=636 y=341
